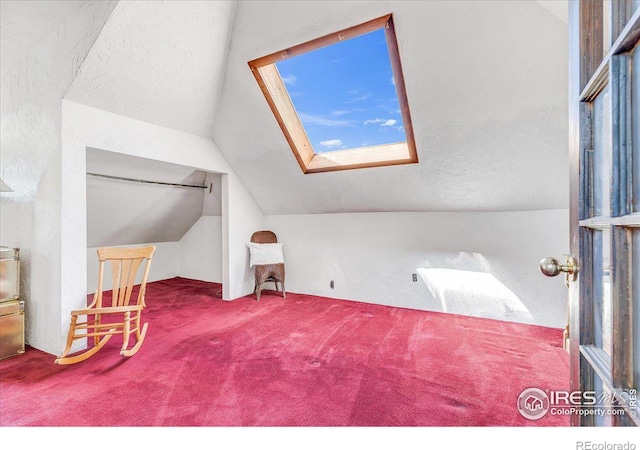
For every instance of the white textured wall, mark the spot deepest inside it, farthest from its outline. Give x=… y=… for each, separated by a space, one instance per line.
x=43 y=46
x=480 y=264
x=212 y=202
x=164 y=265
x=241 y=217
x=198 y=256
x=161 y=62
x=201 y=250
x=84 y=127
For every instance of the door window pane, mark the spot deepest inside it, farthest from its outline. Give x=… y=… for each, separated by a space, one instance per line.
x=602 y=326
x=604 y=397
x=602 y=143
x=635 y=93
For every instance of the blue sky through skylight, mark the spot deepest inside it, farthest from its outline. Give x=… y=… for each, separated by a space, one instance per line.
x=345 y=94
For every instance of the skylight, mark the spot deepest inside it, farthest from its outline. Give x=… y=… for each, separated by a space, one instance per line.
x=340 y=99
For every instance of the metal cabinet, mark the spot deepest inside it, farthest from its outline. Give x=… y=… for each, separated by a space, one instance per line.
x=11 y=306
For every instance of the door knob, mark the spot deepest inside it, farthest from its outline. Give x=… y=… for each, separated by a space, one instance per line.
x=552 y=267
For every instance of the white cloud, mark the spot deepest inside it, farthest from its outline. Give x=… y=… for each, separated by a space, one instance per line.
x=331 y=143
x=361 y=98
x=291 y=80
x=357 y=96
x=340 y=112
x=393 y=81
x=401 y=128
x=319 y=120
x=382 y=122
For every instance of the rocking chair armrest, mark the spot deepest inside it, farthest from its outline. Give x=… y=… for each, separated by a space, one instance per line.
x=117 y=309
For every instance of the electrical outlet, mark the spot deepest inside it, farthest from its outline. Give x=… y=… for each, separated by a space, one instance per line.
x=331 y=284
x=414 y=277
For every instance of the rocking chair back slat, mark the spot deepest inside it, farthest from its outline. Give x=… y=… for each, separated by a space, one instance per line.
x=134 y=264
x=125 y=263
x=143 y=285
x=124 y=277
x=116 y=271
x=97 y=297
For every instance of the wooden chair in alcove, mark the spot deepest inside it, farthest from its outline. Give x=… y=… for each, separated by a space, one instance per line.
x=117 y=314
x=265 y=273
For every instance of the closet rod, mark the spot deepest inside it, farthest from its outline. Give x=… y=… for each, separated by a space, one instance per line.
x=146 y=181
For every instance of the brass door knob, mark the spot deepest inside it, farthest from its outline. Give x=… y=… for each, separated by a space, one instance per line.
x=551 y=267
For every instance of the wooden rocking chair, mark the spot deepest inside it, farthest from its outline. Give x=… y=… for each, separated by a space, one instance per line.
x=125 y=263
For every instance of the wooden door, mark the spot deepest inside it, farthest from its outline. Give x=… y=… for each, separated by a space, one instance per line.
x=604 y=300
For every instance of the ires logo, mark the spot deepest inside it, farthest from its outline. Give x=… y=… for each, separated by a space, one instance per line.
x=575 y=398
x=534 y=403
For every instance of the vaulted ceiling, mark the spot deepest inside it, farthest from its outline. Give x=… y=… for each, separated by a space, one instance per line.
x=27 y=23
x=486 y=82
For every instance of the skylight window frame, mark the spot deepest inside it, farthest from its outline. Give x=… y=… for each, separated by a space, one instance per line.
x=272 y=86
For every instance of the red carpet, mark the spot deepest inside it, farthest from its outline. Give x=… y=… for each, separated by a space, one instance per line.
x=299 y=361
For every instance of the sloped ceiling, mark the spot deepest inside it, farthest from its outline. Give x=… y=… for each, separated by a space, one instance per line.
x=159 y=61
x=26 y=23
x=486 y=82
x=487 y=89
x=42 y=46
